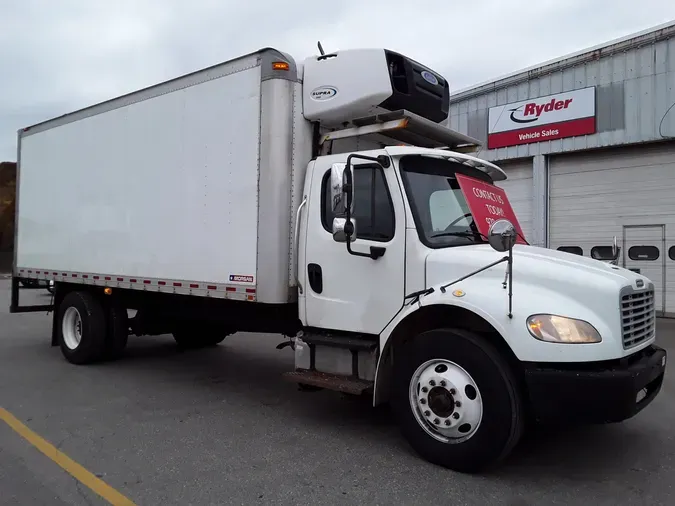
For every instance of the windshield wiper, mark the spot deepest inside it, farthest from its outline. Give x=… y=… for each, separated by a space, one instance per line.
x=471 y=235
x=415 y=296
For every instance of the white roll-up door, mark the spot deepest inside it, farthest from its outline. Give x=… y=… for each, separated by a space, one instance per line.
x=518 y=187
x=623 y=192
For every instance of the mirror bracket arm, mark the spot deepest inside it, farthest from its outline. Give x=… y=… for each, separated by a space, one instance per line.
x=499 y=245
x=375 y=251
x=444 y=288
x=510 y=268
x=385 y=162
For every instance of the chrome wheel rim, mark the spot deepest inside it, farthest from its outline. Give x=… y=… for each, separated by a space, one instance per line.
x=72 y=328
x=446 y=401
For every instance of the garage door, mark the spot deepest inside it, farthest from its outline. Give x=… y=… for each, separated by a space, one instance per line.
x=623 y=192
x=518 y=187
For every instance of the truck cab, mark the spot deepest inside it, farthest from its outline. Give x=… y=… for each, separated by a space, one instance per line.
x=469 y=340
x=473 y=330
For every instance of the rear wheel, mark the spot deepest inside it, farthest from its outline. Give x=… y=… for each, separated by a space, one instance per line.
x=457 y=400
x=81 y=328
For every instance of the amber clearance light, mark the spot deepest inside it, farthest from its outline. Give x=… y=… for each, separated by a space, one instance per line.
x=280 y=65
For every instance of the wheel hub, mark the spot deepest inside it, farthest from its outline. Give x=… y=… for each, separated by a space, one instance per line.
x=446 y=401
x=441 y=402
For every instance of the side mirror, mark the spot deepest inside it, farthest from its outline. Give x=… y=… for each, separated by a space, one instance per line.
x=338 y=187
x=342 y=198
x=502 y=235
x=339 y=225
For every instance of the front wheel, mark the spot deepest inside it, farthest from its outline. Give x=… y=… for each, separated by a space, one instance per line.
x=457 y=400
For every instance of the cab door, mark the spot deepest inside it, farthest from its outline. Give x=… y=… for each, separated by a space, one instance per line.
x=347 y=292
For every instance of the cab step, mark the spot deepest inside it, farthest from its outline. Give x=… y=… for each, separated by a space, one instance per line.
x=334 y=341
x=346 y=384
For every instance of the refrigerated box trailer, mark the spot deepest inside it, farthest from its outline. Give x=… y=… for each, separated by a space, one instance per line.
x=328 y=201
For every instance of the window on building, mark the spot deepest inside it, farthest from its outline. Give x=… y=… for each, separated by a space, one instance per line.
x=373 y=208
x=603 y=252
x=643 y=253
x=571 y=249
x=671 y=252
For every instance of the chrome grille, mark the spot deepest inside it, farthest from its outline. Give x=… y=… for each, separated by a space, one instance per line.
x=638 y=317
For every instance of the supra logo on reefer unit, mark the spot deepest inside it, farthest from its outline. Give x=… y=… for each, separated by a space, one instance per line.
x=323 y=93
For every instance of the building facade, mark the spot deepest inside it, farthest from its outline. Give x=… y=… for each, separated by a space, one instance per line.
x=588 y=145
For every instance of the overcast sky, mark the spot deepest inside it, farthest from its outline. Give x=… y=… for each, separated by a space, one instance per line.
x=60 y=55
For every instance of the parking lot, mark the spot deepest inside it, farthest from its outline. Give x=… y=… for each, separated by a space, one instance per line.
x=218 y=426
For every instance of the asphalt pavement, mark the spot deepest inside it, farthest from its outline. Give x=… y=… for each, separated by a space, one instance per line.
x=219 y=426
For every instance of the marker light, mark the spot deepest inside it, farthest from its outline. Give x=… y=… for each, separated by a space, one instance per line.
x=280 y=65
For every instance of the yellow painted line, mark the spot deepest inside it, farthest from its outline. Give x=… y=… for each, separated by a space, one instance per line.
x=65 y=462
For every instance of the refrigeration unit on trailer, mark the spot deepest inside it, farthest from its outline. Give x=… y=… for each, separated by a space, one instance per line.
x=326 y=201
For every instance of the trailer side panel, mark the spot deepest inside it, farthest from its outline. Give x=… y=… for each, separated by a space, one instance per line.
x=161 y=188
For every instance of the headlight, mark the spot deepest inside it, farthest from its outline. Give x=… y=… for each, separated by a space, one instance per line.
x=558 y=329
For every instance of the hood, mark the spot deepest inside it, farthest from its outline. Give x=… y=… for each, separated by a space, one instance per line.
x=544 y=282
x=557 y=269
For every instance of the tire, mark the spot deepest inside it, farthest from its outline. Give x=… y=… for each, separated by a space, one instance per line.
x=494 y=417
x=80 y=316
x=198 y=337
x=117 y=332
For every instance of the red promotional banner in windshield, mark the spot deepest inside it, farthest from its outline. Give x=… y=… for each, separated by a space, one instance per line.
x=488 y=203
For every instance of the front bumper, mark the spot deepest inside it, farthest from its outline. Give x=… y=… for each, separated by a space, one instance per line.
x=596 y=392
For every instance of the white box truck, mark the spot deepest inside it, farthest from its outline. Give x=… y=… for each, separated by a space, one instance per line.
x=327 y=202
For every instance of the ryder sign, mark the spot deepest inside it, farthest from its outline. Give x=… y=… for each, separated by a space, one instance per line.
x=540 y=119
x=488 y=203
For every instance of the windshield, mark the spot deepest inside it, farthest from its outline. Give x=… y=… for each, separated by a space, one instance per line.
x=440 y=210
